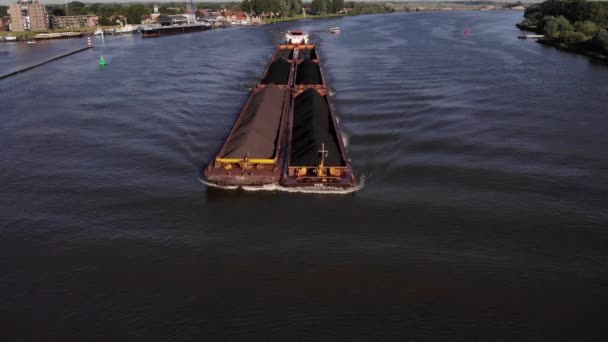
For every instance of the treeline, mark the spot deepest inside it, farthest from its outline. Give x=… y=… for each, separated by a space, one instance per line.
x=326 y=6
x=366 y=7
x=279 y=8
x=578 y=23
x=351 y=7
x=290 y=8
x=133 y=12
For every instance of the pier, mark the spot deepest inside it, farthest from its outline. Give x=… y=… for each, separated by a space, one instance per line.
x=29 y=67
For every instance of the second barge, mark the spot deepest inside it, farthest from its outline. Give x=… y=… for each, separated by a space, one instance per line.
x=252 y=154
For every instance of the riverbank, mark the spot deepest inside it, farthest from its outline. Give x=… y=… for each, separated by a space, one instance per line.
x=310 y=16
x=579 y=49
x=31 y=34
x=398 y=8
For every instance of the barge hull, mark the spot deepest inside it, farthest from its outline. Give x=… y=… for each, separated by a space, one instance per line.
x=316 y=156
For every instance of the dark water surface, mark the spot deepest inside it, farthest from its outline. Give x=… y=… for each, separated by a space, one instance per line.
x=483 y=217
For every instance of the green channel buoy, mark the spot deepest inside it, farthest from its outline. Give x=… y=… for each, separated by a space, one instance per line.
x=102 y=62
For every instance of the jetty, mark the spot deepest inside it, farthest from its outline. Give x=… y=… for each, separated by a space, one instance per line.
x=32 y=66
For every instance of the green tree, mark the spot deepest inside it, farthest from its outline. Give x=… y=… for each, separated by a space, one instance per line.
x=76 y=8
x=283 y=8
x=573 y=38
x=588 y=28
x=58 y=12
x=600 y=41
x=318 y=6
x=555 y=27
x=104 y=21
x=337 y=5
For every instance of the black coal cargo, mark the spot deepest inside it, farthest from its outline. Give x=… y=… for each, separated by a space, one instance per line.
x=286 y=53
x=313 y=129
x=307 y=54
x=258 y=127
x=278 y=72
x=308 y=73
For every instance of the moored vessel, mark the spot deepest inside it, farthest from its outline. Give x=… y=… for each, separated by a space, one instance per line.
x=58 y=35
x=157 y=31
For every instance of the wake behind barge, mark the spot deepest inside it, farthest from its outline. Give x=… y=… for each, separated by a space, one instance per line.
x=287 y=132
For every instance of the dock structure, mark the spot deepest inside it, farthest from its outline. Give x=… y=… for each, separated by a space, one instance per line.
x=32 y=66
x=287 y=132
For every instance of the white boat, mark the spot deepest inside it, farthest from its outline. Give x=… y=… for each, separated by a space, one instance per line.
x=296 y=37
x=10 y=38
x=334 y=30
x=98 y=32
x=31 y=42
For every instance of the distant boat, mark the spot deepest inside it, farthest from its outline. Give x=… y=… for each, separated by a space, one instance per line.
x=31 y=42
x=530 y=36
x=10 y=38
x=58 y=35
x=98 y=32
x=334 y=30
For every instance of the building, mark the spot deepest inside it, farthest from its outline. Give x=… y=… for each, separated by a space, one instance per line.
x=74 y=21
x=237 y=17
x=28 y=15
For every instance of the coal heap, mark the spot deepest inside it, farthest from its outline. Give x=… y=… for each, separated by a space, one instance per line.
x=257 y=129
x=286 y=53
x=304 y=54
x=308 y=73
x=278 y=72
x=313 y=127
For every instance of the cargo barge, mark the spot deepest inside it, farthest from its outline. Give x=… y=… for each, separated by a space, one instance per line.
x=316 y=155
x=252 y=154
x=287 y=133
x=157 y=31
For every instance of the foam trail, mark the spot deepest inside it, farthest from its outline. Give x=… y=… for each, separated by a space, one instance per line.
x=277 y=187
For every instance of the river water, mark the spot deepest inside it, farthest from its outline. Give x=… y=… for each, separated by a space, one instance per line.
x=483 y=216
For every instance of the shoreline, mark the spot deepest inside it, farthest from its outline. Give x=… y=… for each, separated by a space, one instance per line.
x=563 y=46
x=574 y=49
x=409 y=10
